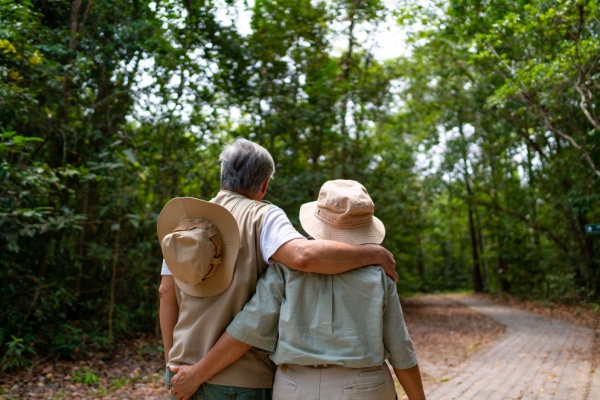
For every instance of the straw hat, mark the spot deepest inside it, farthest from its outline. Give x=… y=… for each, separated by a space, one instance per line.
x=343 y=212
x=200 y=243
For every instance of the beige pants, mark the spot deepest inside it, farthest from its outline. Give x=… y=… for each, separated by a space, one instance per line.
x=298 y=382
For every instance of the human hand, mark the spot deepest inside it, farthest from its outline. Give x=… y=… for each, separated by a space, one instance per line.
x=389 y=264
x=185 y=382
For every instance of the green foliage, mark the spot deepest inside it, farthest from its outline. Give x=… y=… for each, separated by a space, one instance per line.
x=18 y=354
x=65 y=145
x=118 y=383
x=510 y=87
x=110 y=110
x=68 y=341
x=85 y=375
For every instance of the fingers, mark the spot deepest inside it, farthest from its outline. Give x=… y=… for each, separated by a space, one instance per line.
x=177 y=395
x=174 y=381
x=390 y=266
x=178 y=382
x=391 y=272
x=390 y=255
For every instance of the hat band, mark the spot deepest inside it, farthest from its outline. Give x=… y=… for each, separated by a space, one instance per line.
x=355 y=222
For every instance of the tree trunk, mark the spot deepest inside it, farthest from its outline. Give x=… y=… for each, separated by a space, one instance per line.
x=476 y=269
x=420 y=257
x=476 y=272
x=113 y=281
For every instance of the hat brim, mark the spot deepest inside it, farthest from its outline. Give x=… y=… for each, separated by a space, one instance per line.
x=373 y=233
x=181 y=208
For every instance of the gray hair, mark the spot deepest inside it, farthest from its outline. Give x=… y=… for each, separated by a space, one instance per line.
x=245 y=166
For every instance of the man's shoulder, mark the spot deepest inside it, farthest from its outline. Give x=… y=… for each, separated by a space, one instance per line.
x=233 y=200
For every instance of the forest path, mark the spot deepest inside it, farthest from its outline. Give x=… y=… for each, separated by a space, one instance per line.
x=536 y=358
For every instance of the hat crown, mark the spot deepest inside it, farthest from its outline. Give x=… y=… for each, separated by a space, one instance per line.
x=344 y=212
x=344 y=204
x=193 y=250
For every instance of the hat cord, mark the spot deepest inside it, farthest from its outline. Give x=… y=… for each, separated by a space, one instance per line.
x=218 y=258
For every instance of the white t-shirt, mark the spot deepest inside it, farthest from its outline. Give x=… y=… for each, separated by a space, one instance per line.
x=277 y=230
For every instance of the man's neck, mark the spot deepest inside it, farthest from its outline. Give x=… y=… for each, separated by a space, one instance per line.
x=256 y=196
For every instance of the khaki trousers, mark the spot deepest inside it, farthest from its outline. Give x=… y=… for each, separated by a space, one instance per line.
x=299 y=382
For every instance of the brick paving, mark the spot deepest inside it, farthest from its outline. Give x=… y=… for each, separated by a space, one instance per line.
x=538 y=358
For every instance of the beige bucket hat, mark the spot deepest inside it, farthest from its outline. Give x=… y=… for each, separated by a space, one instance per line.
x=343 y=212
x=200 y=242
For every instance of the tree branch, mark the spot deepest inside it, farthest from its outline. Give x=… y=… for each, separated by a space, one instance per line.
x=75 y=6
x=572 y=142
x=531 y=99
x=86 y=14
x=559 y=243
x=583 y=103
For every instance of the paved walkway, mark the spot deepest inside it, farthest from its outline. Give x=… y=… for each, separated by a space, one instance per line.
x=537 y=358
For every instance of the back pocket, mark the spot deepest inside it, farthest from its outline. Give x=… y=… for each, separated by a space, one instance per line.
x=364 y=388
x=283 y=385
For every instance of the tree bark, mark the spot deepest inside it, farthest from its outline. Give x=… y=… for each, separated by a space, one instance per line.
x=113 y=281
x=476 y=269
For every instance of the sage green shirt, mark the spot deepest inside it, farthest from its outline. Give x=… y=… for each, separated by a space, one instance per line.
x=352 y=319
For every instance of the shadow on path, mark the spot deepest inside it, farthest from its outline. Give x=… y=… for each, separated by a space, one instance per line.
x=537 y=358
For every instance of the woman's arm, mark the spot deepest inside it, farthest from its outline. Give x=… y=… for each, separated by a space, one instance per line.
x=188 y=378
x=410 y=379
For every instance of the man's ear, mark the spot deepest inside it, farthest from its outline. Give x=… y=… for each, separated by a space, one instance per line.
x=265 y=185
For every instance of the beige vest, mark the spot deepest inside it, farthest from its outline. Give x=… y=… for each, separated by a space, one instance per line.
x=202 y=320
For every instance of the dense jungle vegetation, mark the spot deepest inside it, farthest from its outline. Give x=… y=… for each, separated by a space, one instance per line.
x=479 y=141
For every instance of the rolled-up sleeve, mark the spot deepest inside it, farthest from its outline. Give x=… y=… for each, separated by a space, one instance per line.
x=277 y=230
x=257 y=324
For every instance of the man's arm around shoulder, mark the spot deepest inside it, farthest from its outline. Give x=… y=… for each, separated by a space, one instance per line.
x=331 y=257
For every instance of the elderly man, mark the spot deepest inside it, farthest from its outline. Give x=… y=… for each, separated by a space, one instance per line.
x=266 y=236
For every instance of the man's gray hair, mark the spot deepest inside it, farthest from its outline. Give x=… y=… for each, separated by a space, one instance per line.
x=245 y=166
